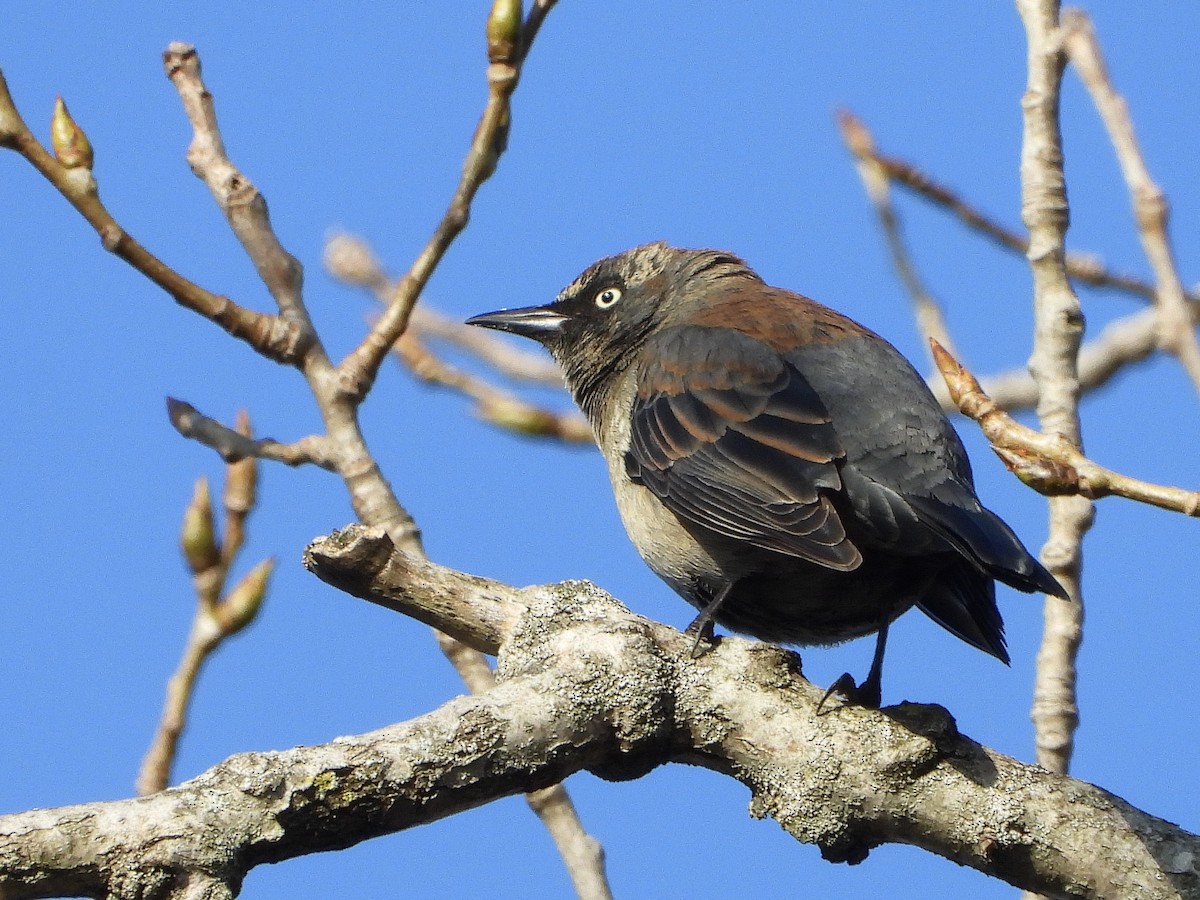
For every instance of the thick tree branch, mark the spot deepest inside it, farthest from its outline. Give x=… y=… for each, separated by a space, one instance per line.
x=365 y=562
x=582 y=853
x=584 y=684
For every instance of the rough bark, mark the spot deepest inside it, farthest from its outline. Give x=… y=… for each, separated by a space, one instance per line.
x=585 y=684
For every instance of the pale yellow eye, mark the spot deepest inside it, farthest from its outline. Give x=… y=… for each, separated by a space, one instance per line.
x=608 y=297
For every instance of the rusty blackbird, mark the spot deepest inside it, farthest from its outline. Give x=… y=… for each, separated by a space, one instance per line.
x=781 y=467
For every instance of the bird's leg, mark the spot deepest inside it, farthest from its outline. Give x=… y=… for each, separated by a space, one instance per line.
x=870 y=692
x=702 y=625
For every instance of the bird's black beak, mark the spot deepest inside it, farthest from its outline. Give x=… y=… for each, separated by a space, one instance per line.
x=541 y=323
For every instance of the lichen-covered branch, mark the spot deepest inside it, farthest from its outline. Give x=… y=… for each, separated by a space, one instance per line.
x=585 y=684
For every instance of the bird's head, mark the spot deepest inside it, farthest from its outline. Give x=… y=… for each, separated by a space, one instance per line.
x=598 y=322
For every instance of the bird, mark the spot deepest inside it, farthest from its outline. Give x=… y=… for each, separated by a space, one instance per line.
x=781 y=467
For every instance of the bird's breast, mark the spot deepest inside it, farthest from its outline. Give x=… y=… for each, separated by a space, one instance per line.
x=667 y=547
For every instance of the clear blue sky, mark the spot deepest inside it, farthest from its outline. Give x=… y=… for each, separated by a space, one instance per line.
x=704 y=124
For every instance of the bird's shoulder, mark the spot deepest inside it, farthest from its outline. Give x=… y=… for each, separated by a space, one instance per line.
x=777 y=318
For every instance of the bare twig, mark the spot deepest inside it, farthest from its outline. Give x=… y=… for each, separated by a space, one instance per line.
x=1176 y=334
x=1126 y=340
x=930 y=321
x=1084 y=267
x=1123 y=341
x=236 y=195
x=1049 y=463
x=342 y=448
x=499 y=407
x=489 y=347
x=1058 y=330
x=351 y=259
x=216 y=618
x=359 y=369
x=270 y=335
x=233 y=446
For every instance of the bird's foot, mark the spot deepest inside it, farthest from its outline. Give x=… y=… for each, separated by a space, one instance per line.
x=702 y=627
x=867 y=694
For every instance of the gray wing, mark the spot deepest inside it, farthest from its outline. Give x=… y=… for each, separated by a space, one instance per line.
x=733 y=439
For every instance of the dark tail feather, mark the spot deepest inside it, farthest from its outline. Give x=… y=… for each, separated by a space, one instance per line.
x=963 y=601
x=985 y=539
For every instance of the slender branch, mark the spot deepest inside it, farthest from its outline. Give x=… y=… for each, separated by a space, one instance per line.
x=492 y=349
x=350 y=259
x=533 y=24
x=1049 y=463
x=273 y=337
x=1126 y=340
x=1058 y=329
x=930 y=321
x=239 y=497
x=232 y=446
x=498 y=407
x=203 y=639
x=360 y=368
x=216 y=618
x=236 y=195
x=1084 y=267
x=1176 y=334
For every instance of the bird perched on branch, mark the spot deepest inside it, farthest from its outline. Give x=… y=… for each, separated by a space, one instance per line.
x=781 y=467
